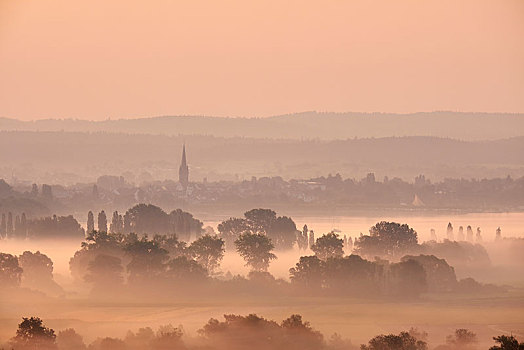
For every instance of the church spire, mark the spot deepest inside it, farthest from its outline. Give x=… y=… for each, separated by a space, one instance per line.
x=183 y=171
x=184 y=162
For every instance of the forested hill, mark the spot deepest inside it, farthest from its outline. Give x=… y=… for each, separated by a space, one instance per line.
x=307 y=125
x=95 y=154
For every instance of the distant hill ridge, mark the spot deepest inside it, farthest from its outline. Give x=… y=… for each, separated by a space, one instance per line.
x=306 y=125
x=71 y=157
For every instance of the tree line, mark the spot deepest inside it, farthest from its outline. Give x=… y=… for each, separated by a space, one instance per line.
x=237 y=332
x=118 y=263
x=54 y=226
x=148 y=219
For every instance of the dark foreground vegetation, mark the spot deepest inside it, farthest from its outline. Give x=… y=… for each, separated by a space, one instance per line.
x=238 y=332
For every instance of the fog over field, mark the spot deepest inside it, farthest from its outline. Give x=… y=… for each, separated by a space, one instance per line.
x=488 y=305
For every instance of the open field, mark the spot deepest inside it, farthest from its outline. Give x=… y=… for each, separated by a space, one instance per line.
x=356 y=319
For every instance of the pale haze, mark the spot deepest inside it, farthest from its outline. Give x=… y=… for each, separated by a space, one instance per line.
x=262 y=175
x=119 y=59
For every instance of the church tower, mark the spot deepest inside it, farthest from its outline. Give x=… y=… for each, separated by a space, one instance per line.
x=183 y=171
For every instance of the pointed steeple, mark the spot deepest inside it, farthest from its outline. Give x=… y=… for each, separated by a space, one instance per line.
x=184 y=162
x=183 y=171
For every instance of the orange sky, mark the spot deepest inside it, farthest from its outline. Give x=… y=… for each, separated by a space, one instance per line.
x=96 y=59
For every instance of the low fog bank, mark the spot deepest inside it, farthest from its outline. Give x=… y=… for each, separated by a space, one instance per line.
x=493 y=256
x=150 y=268
x=502 y=265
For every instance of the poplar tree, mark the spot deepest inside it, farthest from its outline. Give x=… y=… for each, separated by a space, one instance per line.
x=102 y=222
x=90 y=222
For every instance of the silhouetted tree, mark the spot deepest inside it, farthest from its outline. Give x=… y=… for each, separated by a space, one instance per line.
x=117 y=223
x=146 y=218
x=498 y=234
x=184 y=225
x=149 y=219
x=55 y=227
x=462 y=339
x=440 y=276
x=243 y=332
x=449 y=232
x=458 y=253
x=34 y=190
x=141 y=339
x=418 y=334
x=38 y=272
x=298 y=333
x=186 y=270
x=336 y=342
x=108 y=344
x=17 y=231
x=94 y=192
x=282 y=230
x=469 y=286
x=260 y=220
x=407 y=279
x=256 y=250
x=403 y=341
x=302 y=238
x=460 y=235
x=23 y=226
x=478 y=237
x=352 y=275
x=47 y=192
x=9 y=229
x=167 y=337
x=69 y=339
x=469 y=234
x=97 y=243
x=230 y=229
x=3 y=227
x=105 y=272
x=10 y=271
x=90 y=222
x=387 y=239
x=172 y=244
x=311 y=238
x=507 y=343
x=33 y=335
x=147 y=261
x=432 y=235
x=102 y=222
x=328 y=246
x=308 y=272
x=369 y=179
x=208 y=251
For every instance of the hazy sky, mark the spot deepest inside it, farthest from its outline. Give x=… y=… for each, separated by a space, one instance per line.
x=112 y=58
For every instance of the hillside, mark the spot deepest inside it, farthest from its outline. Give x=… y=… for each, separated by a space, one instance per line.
x=76 y=156
x=308 y=125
